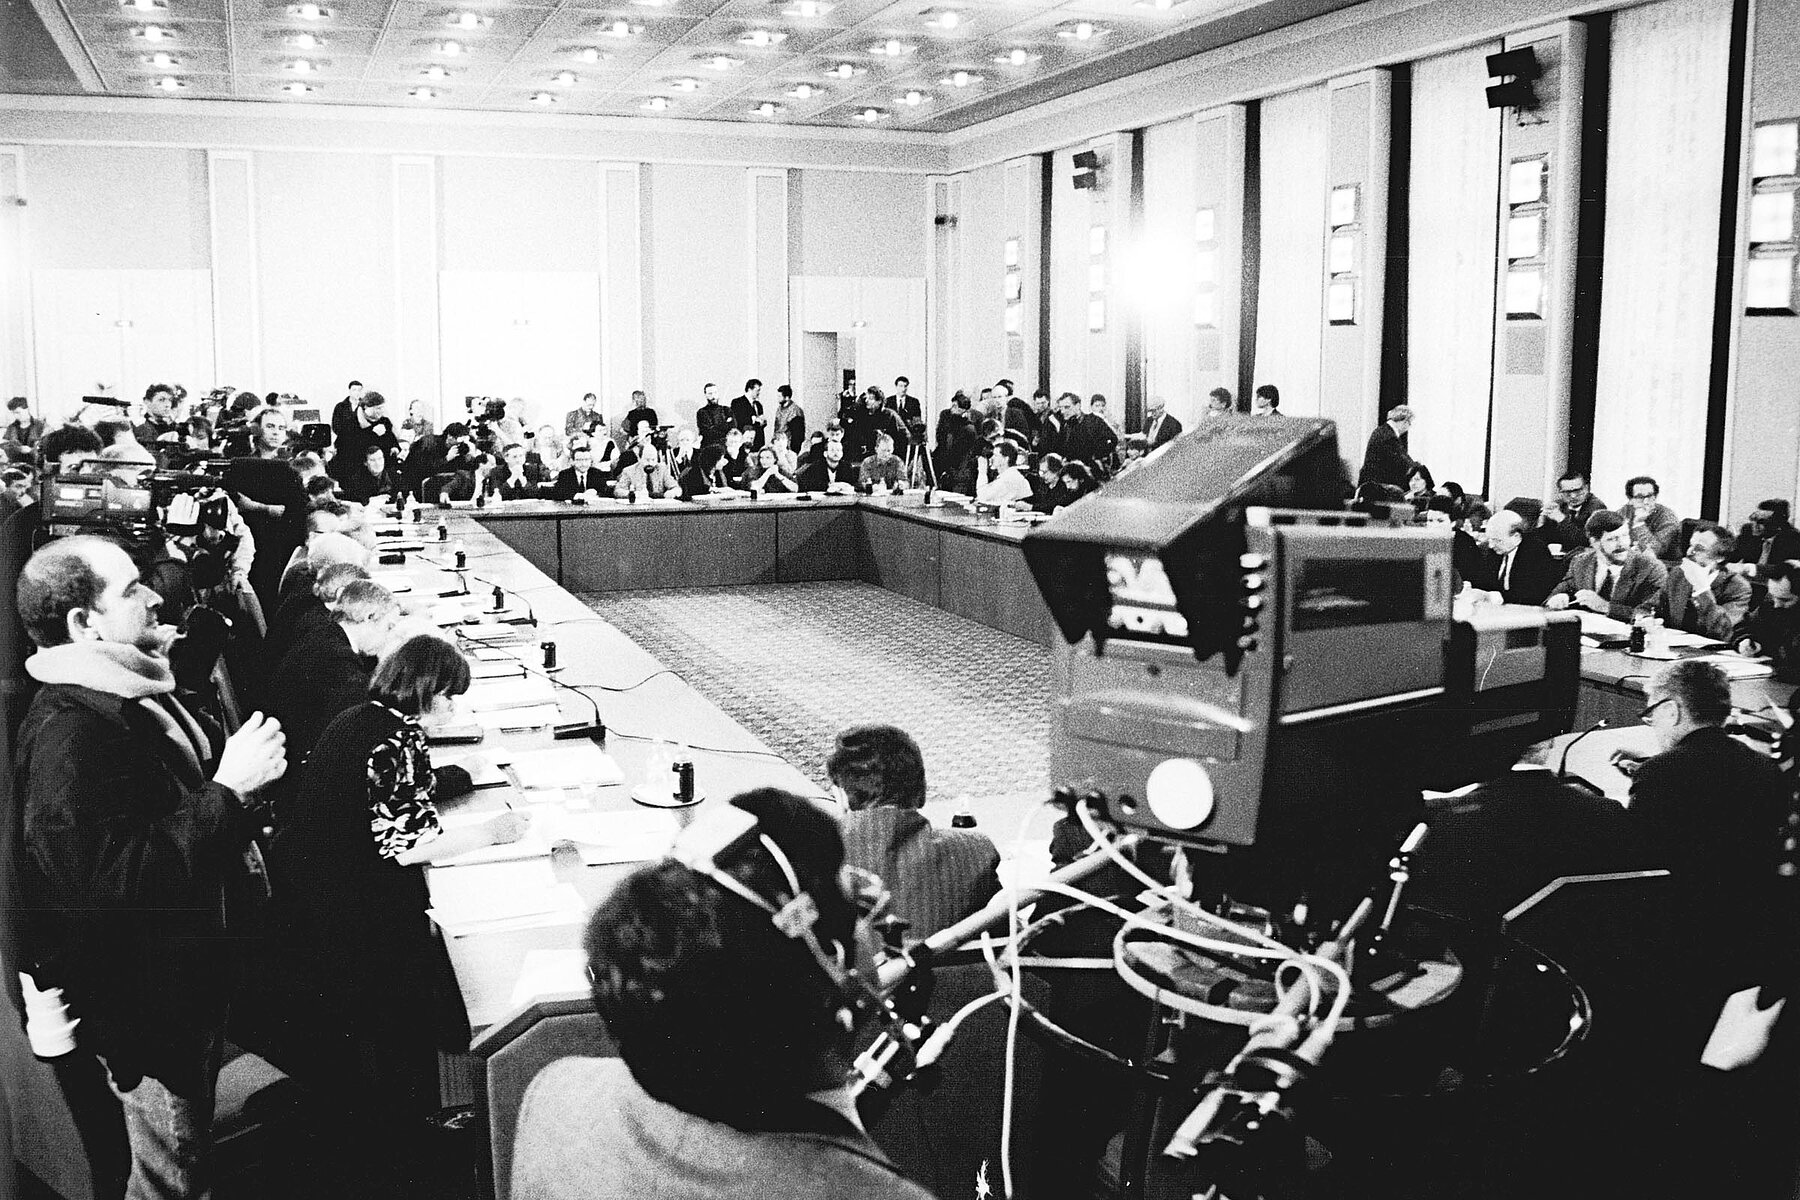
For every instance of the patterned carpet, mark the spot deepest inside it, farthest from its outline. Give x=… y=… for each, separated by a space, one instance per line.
x=795 y=663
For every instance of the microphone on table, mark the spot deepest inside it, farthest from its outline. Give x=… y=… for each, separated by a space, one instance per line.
x=501 y=591
x=568 y=731
x=1562 y=764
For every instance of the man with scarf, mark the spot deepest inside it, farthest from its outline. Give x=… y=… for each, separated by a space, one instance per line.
x=136 y=848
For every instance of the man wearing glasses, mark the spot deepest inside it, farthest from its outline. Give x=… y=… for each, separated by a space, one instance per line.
x=1566 y=517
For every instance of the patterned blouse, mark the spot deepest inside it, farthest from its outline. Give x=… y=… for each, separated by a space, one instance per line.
x=402 y=812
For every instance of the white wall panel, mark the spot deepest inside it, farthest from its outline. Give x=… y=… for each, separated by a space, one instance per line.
x=415 y=286
x=237 y=336
x=1163 y=271
x=117 y=332
x=528 y=334
x=1290 y=301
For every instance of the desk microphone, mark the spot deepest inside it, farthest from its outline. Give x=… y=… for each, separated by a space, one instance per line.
x=500 y=590
x=569 y=731
x=1562 y=766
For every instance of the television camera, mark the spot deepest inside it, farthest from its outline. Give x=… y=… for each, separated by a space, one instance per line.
x=146 y=507
x=1253 y=689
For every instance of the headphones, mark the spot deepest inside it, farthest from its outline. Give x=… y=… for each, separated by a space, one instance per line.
x=725 y=832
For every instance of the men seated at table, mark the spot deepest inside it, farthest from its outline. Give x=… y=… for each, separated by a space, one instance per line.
x=706 y=477
x=1565 y=518
x=368 y=481
x=514 y=478
x=1700 y=595
x=830 y=472
x=734 y=1037
x=1654 y=527
x=1007 y=484
x=581 y=478
x=767 y=476
x=1767 y=537
x=644 y=471
x=1519 y=569
x=327 y=668
x=1773 y=630
x=1612 y=577
x=935 y=876
x=882 y=468
x=736 y=463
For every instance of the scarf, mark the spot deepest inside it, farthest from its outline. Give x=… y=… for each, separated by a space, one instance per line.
x=125 y=671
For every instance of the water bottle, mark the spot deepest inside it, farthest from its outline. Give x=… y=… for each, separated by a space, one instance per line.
x=965 y=817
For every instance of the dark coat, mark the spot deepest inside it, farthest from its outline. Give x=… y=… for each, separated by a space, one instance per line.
x=712 y=420
x=937 y=876
x=1385 y=460
x=568 y=486
x=817 y=475
x=1534 y=573
x=130 y=861
x=319 y=677
x=1639 y=583
x=1783 y=545
x=1163 y=429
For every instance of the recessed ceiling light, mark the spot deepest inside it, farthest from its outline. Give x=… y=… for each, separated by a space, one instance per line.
x=154 y=33
x=565 y=79
x=845 y=70
x=146 y=5
x=435 y=71
x=590 y=54
x=807 y=9
x=960 y=79
x=1080 y=31
x=620 y=29
x=685 y=85
x=305 y=41
x=451 y=49
x=768 y=108
x=423 y=93
x=892 y=48
x=762 y=38
x=803 y=91
x=1016 y=57
x=543 y=98
x=161 y=59
x=723 y=62
x=653 y=3
x=1159 y=5
x=914 y=98
x=656 y=103
x=942 y=18
x=295 y=87
x=468 y=20
x=169 y=83
x=309 y=12
x=302 y=66
x=870 y=115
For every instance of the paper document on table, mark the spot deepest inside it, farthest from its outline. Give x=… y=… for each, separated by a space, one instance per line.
x=574 y=765
x=550 y=973
x=499 y=669
x=492 y=891
x=535 y=717
x=561 y=906
x=621 y=836
x=1681 y=639
x=1736 y=666
x=483 y=771
x=393 y=581
x=509 y=693
x=532 y=845
x=1597 y=625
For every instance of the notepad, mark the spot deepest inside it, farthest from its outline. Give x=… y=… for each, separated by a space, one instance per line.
x=393 y=581
x=1597 y=625
x=504 y=667
x=492 y=892
x=509 y=693
x=575 y=765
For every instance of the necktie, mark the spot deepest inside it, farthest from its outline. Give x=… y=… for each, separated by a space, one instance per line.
x=1606 y=584
x=1506 y=571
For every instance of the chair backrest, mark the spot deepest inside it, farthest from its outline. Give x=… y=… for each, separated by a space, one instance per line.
x=511 y=1069
x=1678 y=547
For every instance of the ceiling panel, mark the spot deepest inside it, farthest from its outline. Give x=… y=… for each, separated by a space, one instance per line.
x=961 y=61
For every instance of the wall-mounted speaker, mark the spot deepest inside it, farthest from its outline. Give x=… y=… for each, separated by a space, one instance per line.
x=1517 y=70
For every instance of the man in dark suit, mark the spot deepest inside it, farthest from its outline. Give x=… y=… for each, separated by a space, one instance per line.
x=1565 y=518
x=1773 y=630
x=1386 y=459
x=831 y=469
x=712 y=419
x=1700 y=595
x=747 y=412
x=326 y=671
x=581 y=476
x=1611 y=577
x=1159 y=426
x=936 y=876
x=1516 y=566
x=1768 y=537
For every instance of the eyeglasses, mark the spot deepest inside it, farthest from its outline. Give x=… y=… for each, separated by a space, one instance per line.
x=1574 y=491
x=1648 y=709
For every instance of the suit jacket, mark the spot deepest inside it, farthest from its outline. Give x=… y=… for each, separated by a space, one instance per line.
x=1571 y=532
x=712 y=420
x=1712 y=613
x=588 y=1129
x=1656 y=533
x=1639 y=583
x=1785 y=545
x=1534 y=573
x=319 y=677
x=568 y=486
x=499 y=481
x=937 y=876
x=1385 y=460
x=1164 y=429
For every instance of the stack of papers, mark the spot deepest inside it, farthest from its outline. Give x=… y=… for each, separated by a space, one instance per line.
x=516 y=895
x=523 y=692
x=393 y=581
x=577 y=764
x=501 y=668
x=1736 y=666
x=1595 y=625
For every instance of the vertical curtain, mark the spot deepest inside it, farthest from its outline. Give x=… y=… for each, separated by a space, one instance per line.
x=1664 y=149
x=1162 y=273
x=1453 y=197
x=1070 y=219
x=1290 y=289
